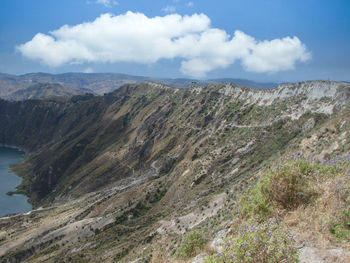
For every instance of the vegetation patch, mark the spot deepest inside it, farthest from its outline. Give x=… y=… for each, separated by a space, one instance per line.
x=310 y=197
x=264 y=242
x=191 y=244
x=283 y=188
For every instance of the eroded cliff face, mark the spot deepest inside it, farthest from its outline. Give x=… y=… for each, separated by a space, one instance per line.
x=146 y=163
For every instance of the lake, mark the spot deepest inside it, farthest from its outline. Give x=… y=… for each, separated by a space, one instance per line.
x=9 y=181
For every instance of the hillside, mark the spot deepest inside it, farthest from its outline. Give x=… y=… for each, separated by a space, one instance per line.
x=101 y=83
x=97 y=83
x=43 y=90
x=123 y=176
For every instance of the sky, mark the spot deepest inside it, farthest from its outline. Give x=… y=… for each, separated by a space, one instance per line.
x=269 y=40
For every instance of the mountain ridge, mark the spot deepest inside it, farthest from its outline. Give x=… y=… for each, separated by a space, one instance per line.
x=43 y=90
x=101 y=83
x=135 y=169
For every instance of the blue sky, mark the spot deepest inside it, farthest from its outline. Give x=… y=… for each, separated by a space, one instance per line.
x=270 y=40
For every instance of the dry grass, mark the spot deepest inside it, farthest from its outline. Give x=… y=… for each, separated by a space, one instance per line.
x=311 y=201
x=314 y=222
x=308 y=199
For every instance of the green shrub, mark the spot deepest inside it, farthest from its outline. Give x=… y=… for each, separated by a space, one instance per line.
x=191 y=243
x=258 y=243
x=319 y=189
x=285 y=187
x=341 y=229
x=254 y=203
x=288 y=186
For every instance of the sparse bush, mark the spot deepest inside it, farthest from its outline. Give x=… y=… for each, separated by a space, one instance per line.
x=284 y=188
x=300 y=185
x=264 y=242
x=288 y=186
x=341 y=229
x=254 y=203
x=192 y=242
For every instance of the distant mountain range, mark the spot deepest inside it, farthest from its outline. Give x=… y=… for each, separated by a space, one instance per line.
x=44 y=90
x=98 y=83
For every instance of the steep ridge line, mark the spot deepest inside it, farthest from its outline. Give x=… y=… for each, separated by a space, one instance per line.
x=148 y=154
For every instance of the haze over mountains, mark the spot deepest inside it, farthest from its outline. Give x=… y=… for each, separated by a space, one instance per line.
x=43 y=90
x=14 y=87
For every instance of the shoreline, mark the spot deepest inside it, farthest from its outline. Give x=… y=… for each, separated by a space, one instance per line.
x=13 y=147
x=16 y=191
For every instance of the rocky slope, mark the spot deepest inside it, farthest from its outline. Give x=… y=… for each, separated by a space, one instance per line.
x=124 y=175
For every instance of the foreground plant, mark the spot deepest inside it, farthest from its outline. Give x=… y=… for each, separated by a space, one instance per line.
x=192 y=243
x=291 y=185
x=264 y=242
x=300 y=188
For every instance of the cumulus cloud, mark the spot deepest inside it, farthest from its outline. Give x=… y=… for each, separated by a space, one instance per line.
x=88 y=70
x=134 y=37
x=275 y=55
x=169 y=9
x=107 y=3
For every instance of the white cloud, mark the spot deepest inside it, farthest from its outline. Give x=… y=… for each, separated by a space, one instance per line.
x=169 y=9
x=88 y=70
x=134 y=37
x=107 y=3
x=276 y=55
x=190 y=4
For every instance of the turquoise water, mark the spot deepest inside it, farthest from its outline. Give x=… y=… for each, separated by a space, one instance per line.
x=9 y=181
